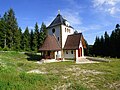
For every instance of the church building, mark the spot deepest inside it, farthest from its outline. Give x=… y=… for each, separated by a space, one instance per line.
x=61 y=42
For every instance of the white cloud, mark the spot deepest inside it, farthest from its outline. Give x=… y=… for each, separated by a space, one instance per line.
x=113 y=10
x=72 y=16
x=105 y=2
x=110 y=6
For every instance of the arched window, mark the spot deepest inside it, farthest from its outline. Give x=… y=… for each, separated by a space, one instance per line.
x=53 y=30
x=65 y=30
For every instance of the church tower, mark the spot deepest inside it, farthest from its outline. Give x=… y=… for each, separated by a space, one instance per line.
x=61 y=28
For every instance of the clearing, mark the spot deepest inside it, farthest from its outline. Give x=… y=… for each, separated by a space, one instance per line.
x=19 y=71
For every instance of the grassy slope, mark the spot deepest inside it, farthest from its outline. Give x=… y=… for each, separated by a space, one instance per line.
x=63 y=75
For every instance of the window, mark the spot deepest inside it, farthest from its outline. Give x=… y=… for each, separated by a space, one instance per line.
x=65 y=30
x=66 y=52
x=58 y=38
x=53 y=30
x=69 y=31
x=72 y=52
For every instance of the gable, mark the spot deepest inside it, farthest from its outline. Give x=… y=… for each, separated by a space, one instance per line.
x=73 y=41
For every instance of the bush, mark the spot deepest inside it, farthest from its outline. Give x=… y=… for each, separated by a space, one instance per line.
x=6 y=49
x=0 y=48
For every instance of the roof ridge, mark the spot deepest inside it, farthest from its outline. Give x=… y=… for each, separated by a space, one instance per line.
x=56 y=40
x=75 y=34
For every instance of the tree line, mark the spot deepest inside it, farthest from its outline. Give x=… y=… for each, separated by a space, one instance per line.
x=107 y=45
x=12 y=36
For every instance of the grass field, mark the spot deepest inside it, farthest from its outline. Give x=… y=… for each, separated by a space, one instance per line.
x=15 y=74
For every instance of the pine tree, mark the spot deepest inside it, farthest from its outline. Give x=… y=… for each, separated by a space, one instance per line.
x=1 y=33
x=10 y=29
x=43 y=34
x=117 y=32
x=31 y=40
x=26 y=40
x=96 y=46
x=5 y=28
x=36 y=38
x=101 y=46
x=19 y=39
x=106 y=44
x=13 y=29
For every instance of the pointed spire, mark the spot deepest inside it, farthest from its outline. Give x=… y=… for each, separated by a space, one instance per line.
x=58 y=11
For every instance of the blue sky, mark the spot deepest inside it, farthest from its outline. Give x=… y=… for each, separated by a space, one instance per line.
x=91 y=17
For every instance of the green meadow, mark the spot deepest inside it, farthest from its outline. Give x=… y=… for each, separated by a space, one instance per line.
x=19 y=71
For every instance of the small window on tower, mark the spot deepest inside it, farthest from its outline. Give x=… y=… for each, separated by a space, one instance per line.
x=69 y=31
x=65 y=29
x=58 y=38
x=53 y=30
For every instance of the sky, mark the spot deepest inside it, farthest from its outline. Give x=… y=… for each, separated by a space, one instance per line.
x=91 y=17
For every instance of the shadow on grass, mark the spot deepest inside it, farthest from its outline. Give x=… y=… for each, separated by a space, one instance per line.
x=33 y=57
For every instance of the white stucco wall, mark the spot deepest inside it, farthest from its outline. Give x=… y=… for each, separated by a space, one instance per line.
x=82 y=48
x=65 y=33
x=57 y=32
x=76 y=54
x=69 y=55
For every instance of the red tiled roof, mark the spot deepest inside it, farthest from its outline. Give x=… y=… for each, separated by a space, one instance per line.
x=50 y=44
x=73 y=41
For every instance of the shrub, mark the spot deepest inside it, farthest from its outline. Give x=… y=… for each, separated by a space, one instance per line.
x=0 y=48
x=6 y=49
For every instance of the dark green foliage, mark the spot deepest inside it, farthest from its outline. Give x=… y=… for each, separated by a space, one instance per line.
x=108 y=45
x=26 y=40
x=31 y=40
x=6 y=49
x=43 y=34
x=86 y=50
x=36 y=38
x=12 y=38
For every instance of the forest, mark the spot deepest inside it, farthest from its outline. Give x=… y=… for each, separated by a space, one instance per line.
x=13 y=38
x=107 y=45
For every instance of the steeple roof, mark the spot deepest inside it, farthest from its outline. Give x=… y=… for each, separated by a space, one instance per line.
x=57 y=21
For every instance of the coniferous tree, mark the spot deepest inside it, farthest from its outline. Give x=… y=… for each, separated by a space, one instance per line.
x=5 y=28
x=26 y=40
x=12 y=29
x=43 y=34
x=117 y=42
x=19 y=39
x=1 y=33
x=101 y=46
x=31 y=40
x=96 y=47
x=36 y=38
x=106 y=44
